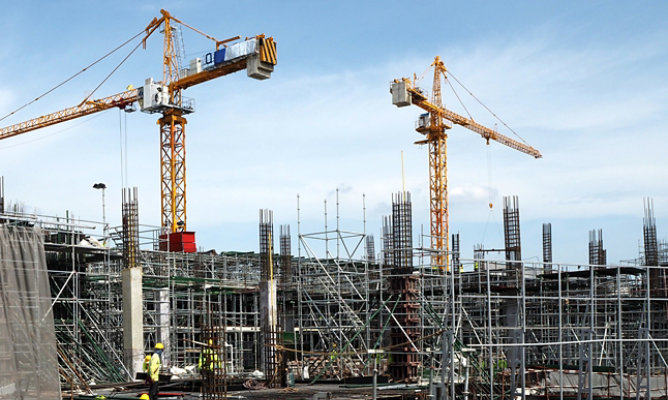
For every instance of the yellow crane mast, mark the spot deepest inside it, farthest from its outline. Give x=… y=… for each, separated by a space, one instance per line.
x=257 y=55
x=433 y=126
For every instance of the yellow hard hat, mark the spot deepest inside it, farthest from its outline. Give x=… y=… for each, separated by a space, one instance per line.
x=159 y=346
x=144 y=396
x=147 y=358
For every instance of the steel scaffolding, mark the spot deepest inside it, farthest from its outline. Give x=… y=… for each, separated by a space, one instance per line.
x=487 y=329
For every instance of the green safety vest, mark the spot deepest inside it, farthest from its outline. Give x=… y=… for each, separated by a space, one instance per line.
x=208 y=354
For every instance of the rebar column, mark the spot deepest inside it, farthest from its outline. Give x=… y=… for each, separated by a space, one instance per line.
x=456 y=263
x=547 y=247
x=370 y=249
x=130 y=227
x=511 y=231
x=287 y=293
x=402 y=231
x=131 y=278
x=286 y=255
x=386 y=239
x=269 y=302
x=651 y=248
x=479 y=265
x=405 y=327
x=266 y=243
x=657 y=274
x=597 y=254
x=212 y=363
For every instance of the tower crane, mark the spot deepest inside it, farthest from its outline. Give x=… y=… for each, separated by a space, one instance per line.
x=433 y=126
x=257 y=55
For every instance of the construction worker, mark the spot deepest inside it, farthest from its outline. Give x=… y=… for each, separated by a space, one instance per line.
x=502 y=364
x=333 y=354
x=154 y=371
x=208 y=358
x=147 y=361
x=144 y=367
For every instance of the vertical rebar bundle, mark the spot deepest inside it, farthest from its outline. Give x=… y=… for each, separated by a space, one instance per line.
x=266 y=243
x=547 y=246
x=286 y=310
x=269 y=301
x=456 y=259
x=405 y=327
x=597 y=254
x=402 y=231
x=511 y=231
x=286 y=255
x=649 y=234
x=370 y=249
x=386 y=239
x=130 y=227
x=478 y=254
x=657 y=276
x=213 y=363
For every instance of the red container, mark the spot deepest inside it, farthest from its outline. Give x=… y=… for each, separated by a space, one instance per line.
x=178 y=242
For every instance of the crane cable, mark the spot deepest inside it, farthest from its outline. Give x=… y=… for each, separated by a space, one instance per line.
x=489 y=176
x=416 y=79
x=111 y=73
x=123 y=140
x=488 y=109
x=72 y=77
x=490 y=215
x=458 y=98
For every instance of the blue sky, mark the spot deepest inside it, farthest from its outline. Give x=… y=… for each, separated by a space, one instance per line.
x=584 y=82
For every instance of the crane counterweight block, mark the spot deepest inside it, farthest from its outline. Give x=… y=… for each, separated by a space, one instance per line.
x=261 y=65
x=267 y=49
x=401 y=97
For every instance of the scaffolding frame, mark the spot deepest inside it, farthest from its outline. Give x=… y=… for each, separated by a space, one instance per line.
x=494 y=329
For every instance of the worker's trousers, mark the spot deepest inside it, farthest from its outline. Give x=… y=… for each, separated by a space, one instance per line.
x=153 y=391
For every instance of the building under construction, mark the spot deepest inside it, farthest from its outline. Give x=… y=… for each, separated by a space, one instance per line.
x=333 y=310
x=83 y=303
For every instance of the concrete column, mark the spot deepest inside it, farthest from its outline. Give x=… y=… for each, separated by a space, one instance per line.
x=268 y=320
x=133 y=326
x=163 y=321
